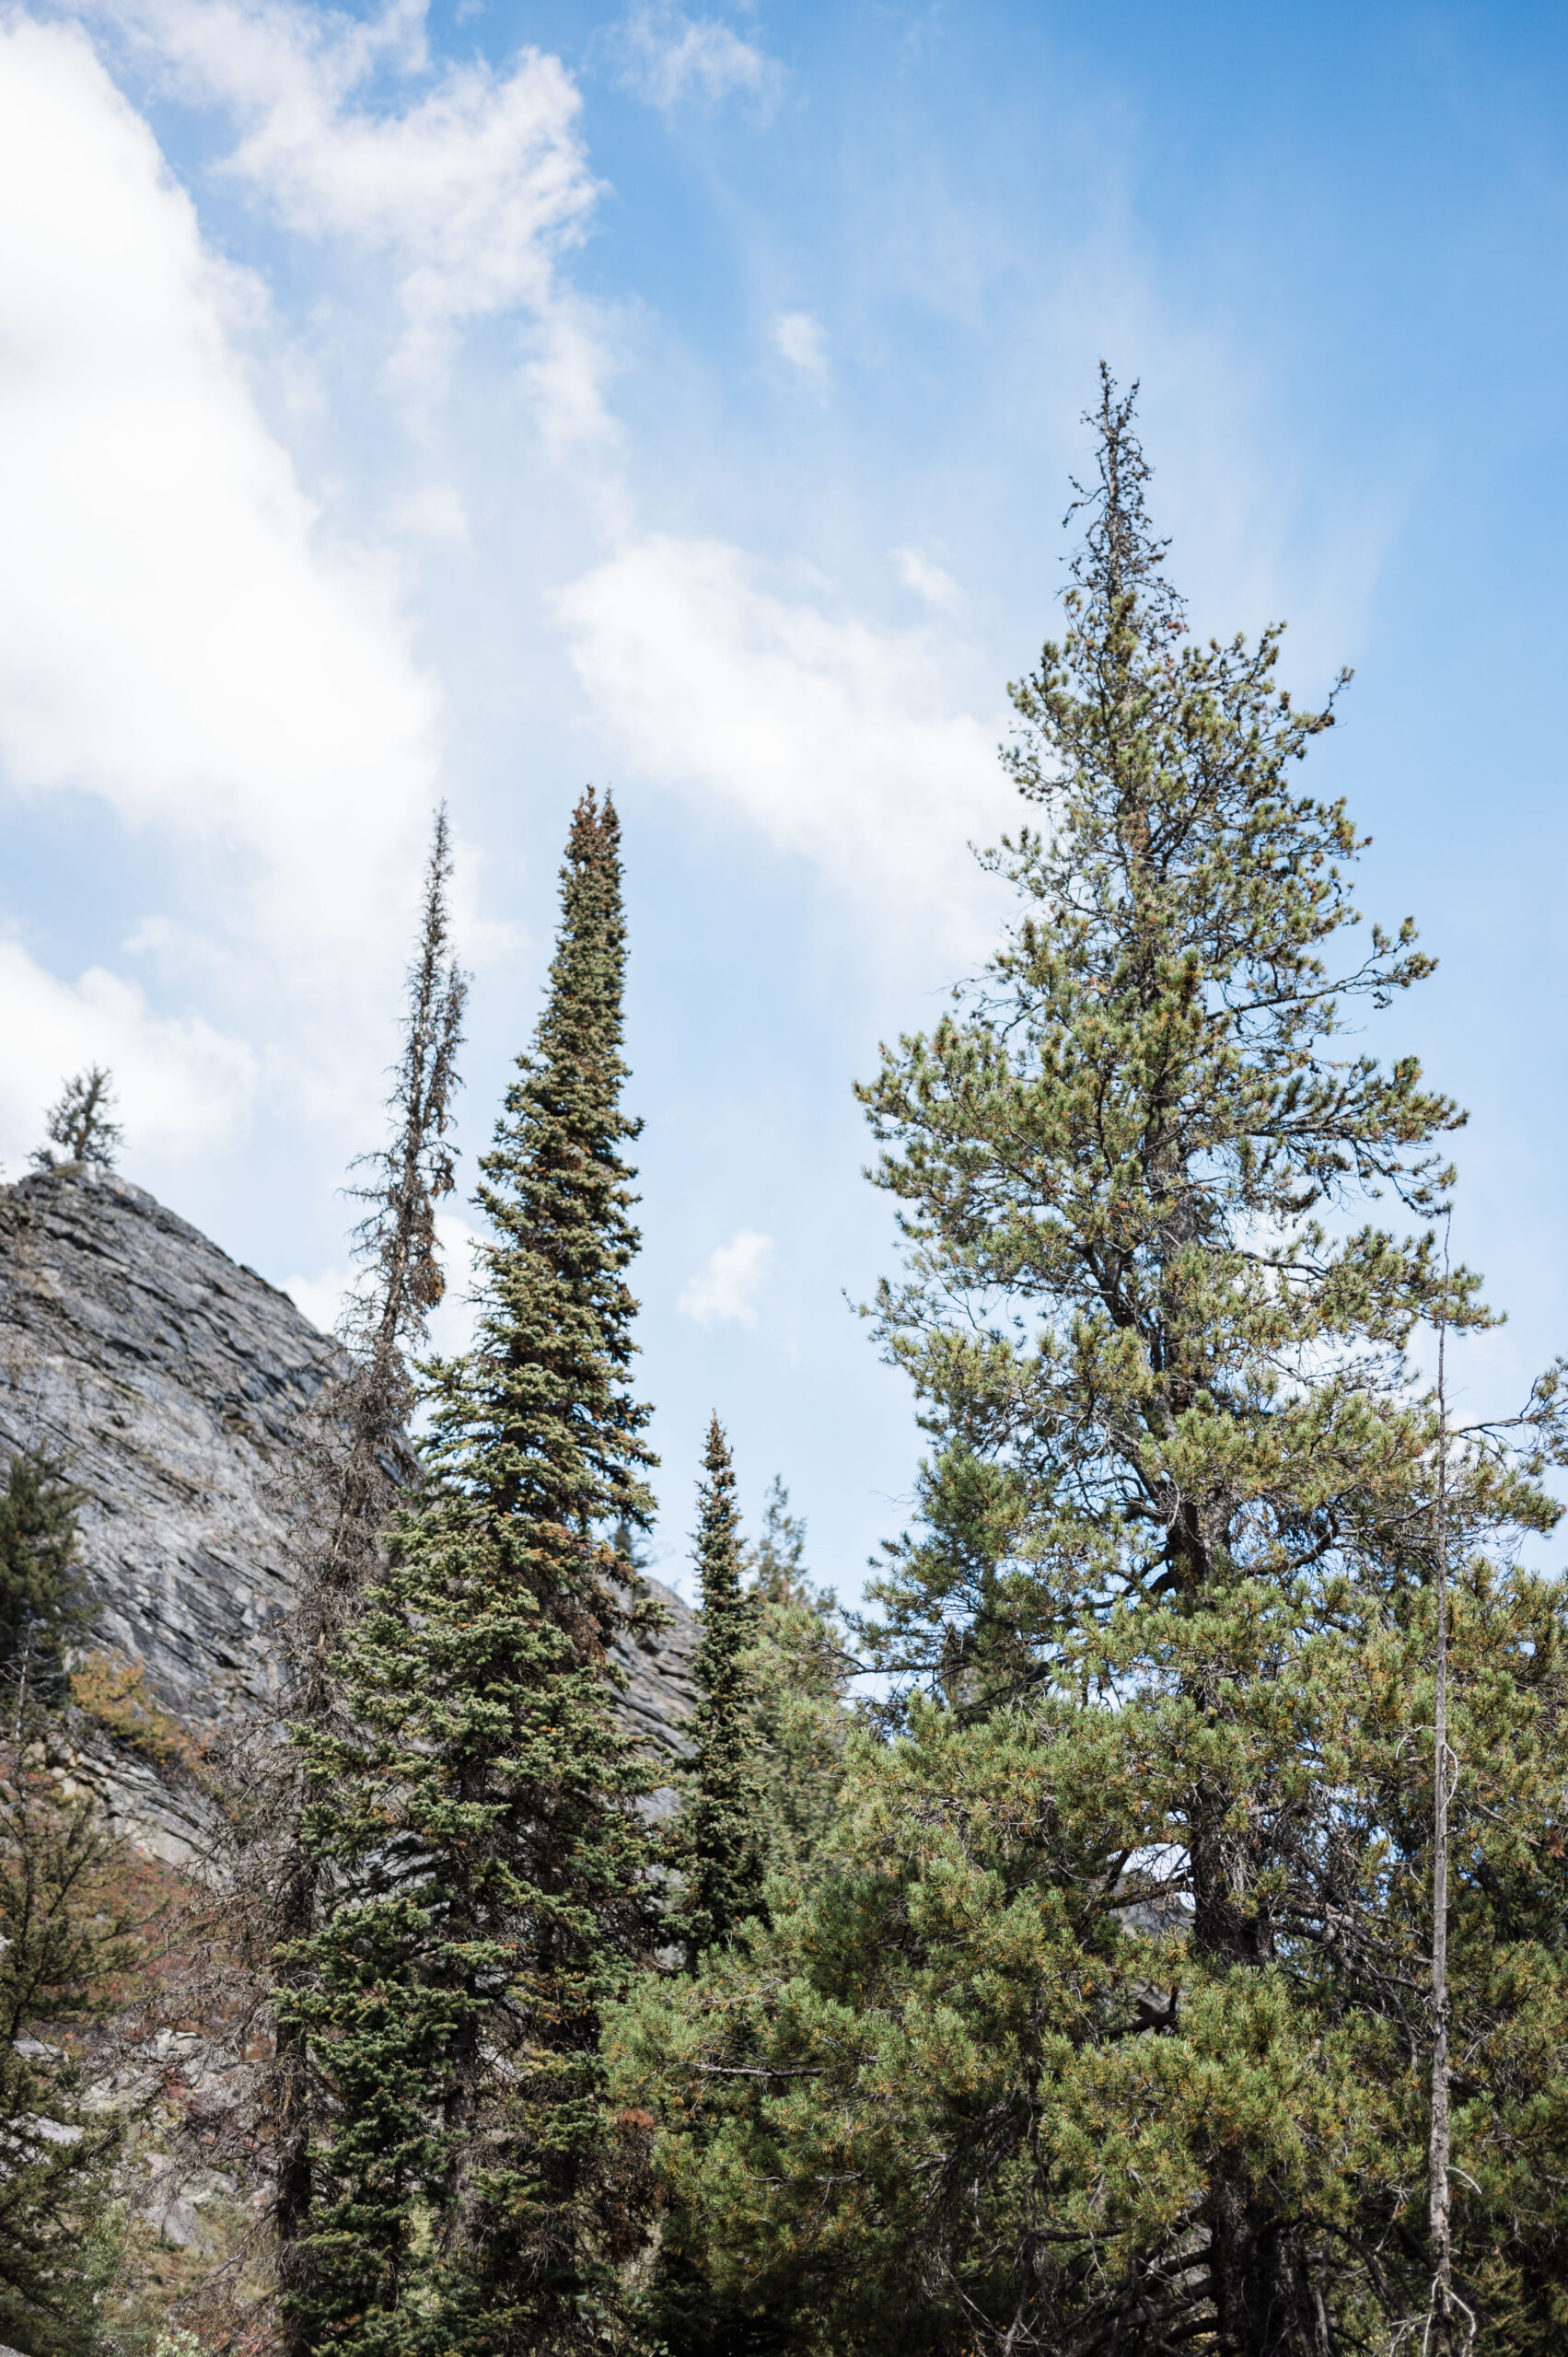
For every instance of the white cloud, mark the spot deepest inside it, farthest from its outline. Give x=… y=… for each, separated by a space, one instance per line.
x=320 y=1298
x=471 y=189
x=666 y=57
x=179 y=637
x=181 y=1084
x=324 y=1296
x=799 y=339
x=434 y=513
x=452 y=1323
x=727 y=1284
x=843 y=740
x=929 y=582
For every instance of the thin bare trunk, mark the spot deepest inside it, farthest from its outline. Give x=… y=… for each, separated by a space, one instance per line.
x=1438 y=2152
x=1447 y=2316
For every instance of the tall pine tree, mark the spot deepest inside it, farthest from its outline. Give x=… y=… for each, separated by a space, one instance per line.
x=1109 y=2027
x=718 y=1846
x=486 y=2193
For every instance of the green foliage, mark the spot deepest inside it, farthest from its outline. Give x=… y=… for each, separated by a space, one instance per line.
x=63 y=1938
x=475 y=2188
x=1107 y=2024
x=80 y=1124
x=982 y=2087
x=43 y=1611
x=1147 y=1357
x=717 y=1846
x=799 y=1675
x=769 y=1735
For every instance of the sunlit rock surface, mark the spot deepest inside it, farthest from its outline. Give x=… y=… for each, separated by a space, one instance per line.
x=172 y=1380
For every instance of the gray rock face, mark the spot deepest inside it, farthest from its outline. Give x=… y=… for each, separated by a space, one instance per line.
x=172 y=1381
x=169 y=1379
x=659 y=1690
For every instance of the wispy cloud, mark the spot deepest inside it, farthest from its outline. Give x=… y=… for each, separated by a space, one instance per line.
x=936 y=587
x=727 y=1286
x=799 y=339
x=470 y=183
x=842 y=739
x=183 y=642
x=175 y=635
x=668 y=58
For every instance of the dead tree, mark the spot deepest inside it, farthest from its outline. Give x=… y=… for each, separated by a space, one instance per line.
x=268 y=1886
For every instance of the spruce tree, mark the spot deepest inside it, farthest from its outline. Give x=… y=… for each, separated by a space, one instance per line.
x=768 y=1737
x=1109 y=2027
x=43 y=1610
x=718 y=1846
x=800 y=1674
x=483 y=1812
x=66 y=1940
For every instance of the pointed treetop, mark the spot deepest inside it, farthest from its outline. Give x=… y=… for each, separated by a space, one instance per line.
x=582 y=1021
x=80 y=1122
x=555 y=1331
x=395 y=1242
x=1118 y=569
x=718 y=1845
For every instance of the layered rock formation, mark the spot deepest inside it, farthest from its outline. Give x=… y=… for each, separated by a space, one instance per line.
x=172 y=1380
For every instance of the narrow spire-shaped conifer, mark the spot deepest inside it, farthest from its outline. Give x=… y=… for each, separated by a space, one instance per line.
x=487 y=1813
x=282 y=1887
x=718 y=1844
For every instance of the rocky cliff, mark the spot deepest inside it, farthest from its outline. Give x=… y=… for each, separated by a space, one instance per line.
x=172 y=1380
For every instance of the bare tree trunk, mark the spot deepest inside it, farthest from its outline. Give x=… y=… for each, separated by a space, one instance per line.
x=1449 y=2320
x=1441 y=2318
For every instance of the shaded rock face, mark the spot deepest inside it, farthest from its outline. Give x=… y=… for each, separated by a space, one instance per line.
x=172 y=1381
x=169 y=1379
x=656 y=1666
x=659 y=1689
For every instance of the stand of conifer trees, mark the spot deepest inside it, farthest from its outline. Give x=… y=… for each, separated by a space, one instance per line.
x=1109 y=2025
x=359 y=1451
x=480 y=1813
x=1074 y=1994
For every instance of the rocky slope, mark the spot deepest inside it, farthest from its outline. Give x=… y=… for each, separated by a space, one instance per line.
x=172 y=1380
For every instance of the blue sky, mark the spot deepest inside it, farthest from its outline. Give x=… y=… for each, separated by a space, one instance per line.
x=473 y=402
